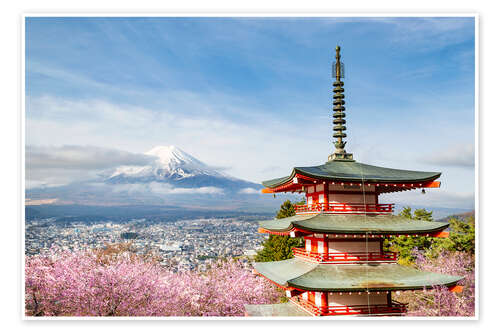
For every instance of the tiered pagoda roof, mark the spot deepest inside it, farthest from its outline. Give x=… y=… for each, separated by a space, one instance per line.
x=352 y=171
x=372 y=277
x=353 y=225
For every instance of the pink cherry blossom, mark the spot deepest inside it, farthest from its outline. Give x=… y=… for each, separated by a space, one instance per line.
x=82 y=284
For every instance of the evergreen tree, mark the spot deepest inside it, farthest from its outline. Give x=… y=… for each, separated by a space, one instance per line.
x=405 y=246
x=280 y=247
x=461 y=238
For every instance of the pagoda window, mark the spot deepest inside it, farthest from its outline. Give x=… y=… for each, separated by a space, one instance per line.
x=320 y=188
x=310 y=189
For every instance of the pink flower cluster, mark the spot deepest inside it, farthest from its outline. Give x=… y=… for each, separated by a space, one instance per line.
x=81 y=284
x=440 y=301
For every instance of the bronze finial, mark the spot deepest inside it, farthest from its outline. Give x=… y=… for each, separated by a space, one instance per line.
x=337 y=64
x=339 y=115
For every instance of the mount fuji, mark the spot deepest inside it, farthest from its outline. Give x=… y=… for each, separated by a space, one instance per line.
x=172 y=178
x=182 y=171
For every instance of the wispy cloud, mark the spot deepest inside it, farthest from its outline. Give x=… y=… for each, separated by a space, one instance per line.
x=252 y=95
x=455 y=156
x=59 y=165
x=249 y=190
x=162 y=189
x=82 y=157
x=214 y=138
x=432 y=198
x=429 y=33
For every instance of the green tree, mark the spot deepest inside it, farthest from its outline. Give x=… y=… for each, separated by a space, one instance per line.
x=462 y=237
x=406 y=245
x=287 y=209
x=280 y=247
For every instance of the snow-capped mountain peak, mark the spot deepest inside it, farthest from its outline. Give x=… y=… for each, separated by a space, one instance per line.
x=169 y=158
x=170 y=163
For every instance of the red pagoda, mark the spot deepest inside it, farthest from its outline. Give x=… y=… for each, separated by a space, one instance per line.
x=343 y=268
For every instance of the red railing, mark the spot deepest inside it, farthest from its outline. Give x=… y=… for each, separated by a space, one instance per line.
x=339 y=310
x=343 y=208
x=345 y=257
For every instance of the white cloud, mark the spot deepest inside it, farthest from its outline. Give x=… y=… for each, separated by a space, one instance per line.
x=59 y=165
x=431 y=198
x=250 y=190
x=163 y=188
x=455 y=156
x=81 y=157
x=212 y=137
x=430 y=33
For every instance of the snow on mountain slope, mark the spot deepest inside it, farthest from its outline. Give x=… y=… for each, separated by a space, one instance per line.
x=178 y=168
x=171 y=163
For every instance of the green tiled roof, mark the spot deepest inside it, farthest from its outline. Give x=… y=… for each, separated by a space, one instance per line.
x=354 y=224
x=354 y=171
x=360 y=277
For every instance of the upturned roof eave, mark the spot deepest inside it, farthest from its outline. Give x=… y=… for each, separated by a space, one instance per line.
x=395 y=288
x=273 y=183
x=295 y=273
x=373 y=231
x=300 y=222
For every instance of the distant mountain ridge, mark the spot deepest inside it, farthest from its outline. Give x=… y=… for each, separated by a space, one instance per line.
x=458 y=216
x=173 y=177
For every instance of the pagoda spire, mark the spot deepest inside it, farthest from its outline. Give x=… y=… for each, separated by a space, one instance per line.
x=339 y=114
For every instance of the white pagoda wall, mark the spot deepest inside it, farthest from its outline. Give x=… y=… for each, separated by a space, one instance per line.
x=336 y=193
x=335 y=299
x=353 y=246
x=352 y=198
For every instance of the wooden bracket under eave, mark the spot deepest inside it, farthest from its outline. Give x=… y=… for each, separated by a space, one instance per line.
x=441 y=234
x=435 y=184
x=456 y=289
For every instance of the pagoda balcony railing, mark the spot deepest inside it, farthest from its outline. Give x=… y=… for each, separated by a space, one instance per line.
x=395 y=308
x=345 y=208
x=345 y=257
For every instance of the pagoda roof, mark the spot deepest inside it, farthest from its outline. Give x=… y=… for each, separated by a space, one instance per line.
x=349 y=170
x=304 y=275
x=353 y=224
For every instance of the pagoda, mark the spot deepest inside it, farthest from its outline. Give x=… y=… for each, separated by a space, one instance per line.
x=343 y=268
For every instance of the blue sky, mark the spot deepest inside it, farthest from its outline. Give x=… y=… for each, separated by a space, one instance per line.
x=252 y=96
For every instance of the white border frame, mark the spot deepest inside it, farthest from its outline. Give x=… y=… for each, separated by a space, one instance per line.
x=256 y=14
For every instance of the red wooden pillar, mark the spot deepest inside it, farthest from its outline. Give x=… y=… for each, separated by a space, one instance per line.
x=324 y=303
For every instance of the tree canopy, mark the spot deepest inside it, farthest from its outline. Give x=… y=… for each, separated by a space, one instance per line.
x=280 y=247
x=461 y=238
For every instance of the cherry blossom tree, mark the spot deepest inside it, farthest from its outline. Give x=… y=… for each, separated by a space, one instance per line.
x=86 y=283
x=440 y=301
